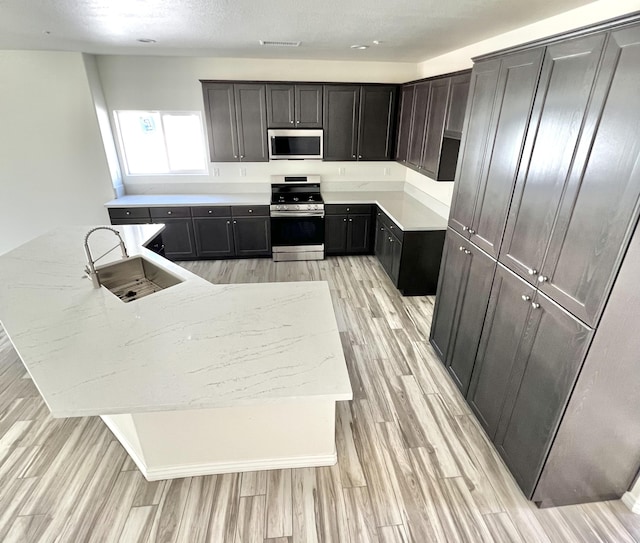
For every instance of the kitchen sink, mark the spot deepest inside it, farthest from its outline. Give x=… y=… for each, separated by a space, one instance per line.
x=135 y=277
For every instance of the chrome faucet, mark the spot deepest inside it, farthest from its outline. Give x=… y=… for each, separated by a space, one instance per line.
x=90 y=269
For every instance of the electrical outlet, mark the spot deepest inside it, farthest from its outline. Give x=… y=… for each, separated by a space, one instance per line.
x=216 y=172
x=243 y=172
x=387 y=171
x=341 y=171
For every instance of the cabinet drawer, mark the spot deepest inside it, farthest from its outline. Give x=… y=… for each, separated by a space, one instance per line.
x=170 y=212
x=392 y=226
x=343 y=209
x=129 y=212
x=250 y=211
x=211 y=211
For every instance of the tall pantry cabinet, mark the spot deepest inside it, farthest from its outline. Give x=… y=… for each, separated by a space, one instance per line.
x=548 y=193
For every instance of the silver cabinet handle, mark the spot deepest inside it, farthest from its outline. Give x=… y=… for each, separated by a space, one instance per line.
x=359 y=156
x=467 y=252
x=228 y=222
x=251 y=211
x=531 y=271
x=241 y=156
x=169 y=212
x=235 y=156
x=235 y=222
x=535 y=305
x=465 y=228
x=526 y=298
x=354 y=156
x=128 y=213
x=542 y=279
x=350 y=220
x=210 y=212
x=462 y=248
x=345 y=220
x=291 y=122
x=471 y=231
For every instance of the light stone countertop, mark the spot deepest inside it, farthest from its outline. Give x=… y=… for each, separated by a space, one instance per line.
x=193 y=345
x=407 y=212
x=180 y=200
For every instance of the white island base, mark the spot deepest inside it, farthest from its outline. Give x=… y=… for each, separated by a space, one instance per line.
x=186 y=443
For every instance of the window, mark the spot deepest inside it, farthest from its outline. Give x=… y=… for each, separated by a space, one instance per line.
x=161 y=142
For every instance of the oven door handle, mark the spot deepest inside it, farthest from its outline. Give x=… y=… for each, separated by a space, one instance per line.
x=294 y=214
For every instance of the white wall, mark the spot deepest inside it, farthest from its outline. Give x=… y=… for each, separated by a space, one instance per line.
x=53 y=169
x=172 y=83
x=460 y=59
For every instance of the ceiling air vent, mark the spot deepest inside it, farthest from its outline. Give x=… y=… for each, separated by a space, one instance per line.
x=271 y=43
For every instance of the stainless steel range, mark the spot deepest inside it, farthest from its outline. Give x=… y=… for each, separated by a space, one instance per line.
x=297 y=218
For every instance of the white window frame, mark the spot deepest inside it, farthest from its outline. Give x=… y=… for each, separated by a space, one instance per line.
x=123 y=153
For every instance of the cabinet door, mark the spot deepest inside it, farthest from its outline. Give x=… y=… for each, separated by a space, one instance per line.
x=420 y=112
x=251 y=236
x=220 y=105
x=404 y=127
x=566 y=85
x=359 y=234
x=548 y=361
x=308 y=112
x=437 y=108
x=379 y=244
x=473 y=298
x=517 y=84
x=214 y=237
x=474 y=144
x=335 y=234
x=376 y=127
x=251 y=116
x=395 y=258
x=340 y=121
x=600 y=206
x=504 y=325
x=457 y=105
x=179 y=243
x=453 y=269
x=280 y=106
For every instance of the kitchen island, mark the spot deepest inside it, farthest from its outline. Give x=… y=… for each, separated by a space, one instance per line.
x=195 y=379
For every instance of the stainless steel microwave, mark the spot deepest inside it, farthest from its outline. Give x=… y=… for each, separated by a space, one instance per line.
x=298 y=144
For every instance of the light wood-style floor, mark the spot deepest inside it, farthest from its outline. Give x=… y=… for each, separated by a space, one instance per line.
x=413 y=465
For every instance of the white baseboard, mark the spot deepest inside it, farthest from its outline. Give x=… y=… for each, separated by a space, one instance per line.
x=632 y=502
x=177 y=472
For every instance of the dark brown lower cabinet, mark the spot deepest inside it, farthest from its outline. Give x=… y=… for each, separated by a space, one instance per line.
x=509 y=307
x=348 y=229
x=552 y=348
x=463 y=302
x=214 y=237
x=411 y=259
x=179 y=243
x=251 y=236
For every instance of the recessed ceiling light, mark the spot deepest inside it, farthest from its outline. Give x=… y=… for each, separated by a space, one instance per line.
x=146 y=40
x=279 y=43
x=377 y=42
x=359 y=47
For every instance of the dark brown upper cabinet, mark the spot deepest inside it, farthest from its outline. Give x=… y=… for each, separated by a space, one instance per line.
x=359 y=122
x=236 y=121
x=501 y=100
x=430 y=125
x=404 y=124
x=457 y=106
x=294 y=106
x=559 y=120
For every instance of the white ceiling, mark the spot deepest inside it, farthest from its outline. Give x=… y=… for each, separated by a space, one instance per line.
x=411 y=30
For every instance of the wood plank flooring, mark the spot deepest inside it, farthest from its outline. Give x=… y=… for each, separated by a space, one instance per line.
x=413 y=464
